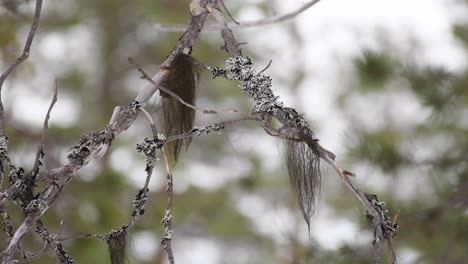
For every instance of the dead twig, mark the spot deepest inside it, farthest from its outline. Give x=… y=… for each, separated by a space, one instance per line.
x=246 y=24
x=145 y=76
x=229 y=13
x=40 y=150
x=266 y=67
x=24 y=55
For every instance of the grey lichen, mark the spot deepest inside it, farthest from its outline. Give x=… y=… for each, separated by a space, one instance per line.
x=255 y=85
x=150 y=149
x=389 y=228
x=197 y=131
x=89 y=145
x=139 y=202
x=51 y=240
x=303 y=162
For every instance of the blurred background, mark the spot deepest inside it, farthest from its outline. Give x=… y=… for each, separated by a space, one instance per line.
x=384 y=85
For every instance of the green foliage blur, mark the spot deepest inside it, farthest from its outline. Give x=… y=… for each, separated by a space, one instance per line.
x=422 y=163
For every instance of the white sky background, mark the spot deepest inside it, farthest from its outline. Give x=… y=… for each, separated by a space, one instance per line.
x=333 y=31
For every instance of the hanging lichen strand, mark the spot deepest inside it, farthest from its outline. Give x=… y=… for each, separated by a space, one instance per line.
x=303 y=162
x=304 y=175
x=177 y=118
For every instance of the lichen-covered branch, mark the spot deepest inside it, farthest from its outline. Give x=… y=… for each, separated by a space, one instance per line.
x=92 y=145
x=166 y=239
x=303 y=151
x=258 y=87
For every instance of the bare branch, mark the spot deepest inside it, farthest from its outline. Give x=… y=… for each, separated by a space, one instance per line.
x=260 y=22
x=266 y=67
x=205 y=130
x=145 y=76
x=34 y=256
x=52 y=242
x=229 y=13
x=230 y=43
x=280 y=18
x=24 y=55
x=40 y=150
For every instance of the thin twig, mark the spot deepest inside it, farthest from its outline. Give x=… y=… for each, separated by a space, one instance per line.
x=229 y=13
x=260 y=22
x=230 y=43
x=280 y=18
x=390 y=239
x=51 y=240
x=24 y=55
x=145 y=76
x=141 y=198
x=266 y=67
x=392 y=250
x=34 y=256
x=40 y=150
x=167 y=220
x=216 y=127
x=82 y=236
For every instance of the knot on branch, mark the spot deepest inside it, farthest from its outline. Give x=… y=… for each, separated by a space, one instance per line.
x=197 y=7
x=16 y=176
x=35 y=207
x=88 y=145
x=125 y=117
x=388 y=227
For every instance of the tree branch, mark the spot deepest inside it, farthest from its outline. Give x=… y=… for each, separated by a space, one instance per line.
x=258 y=87
x=92 y=145
x=167 y=220
x=246 y=24
x=145 y=76
x=24 y=55
x=40 y=149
